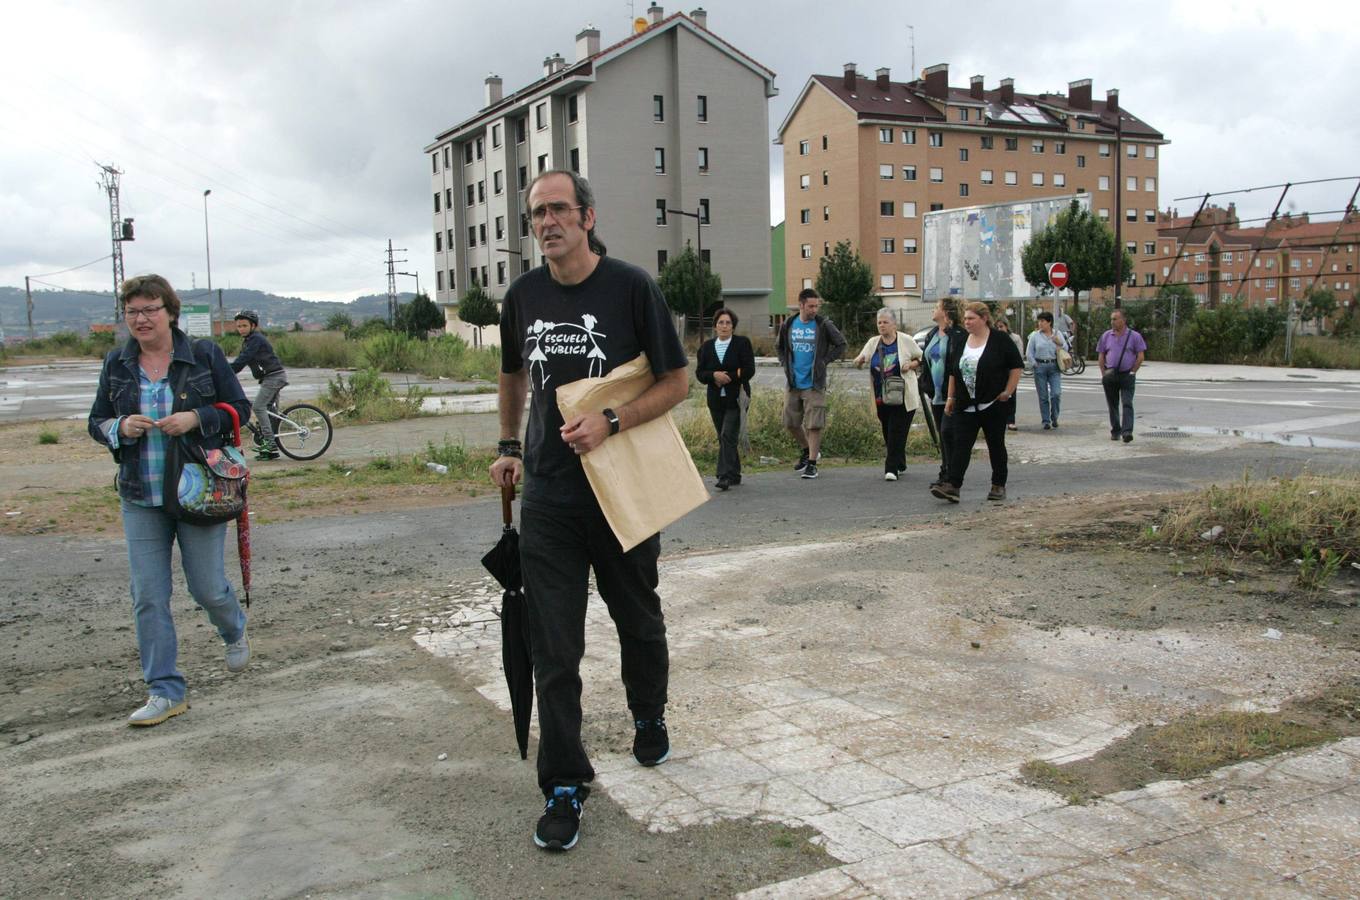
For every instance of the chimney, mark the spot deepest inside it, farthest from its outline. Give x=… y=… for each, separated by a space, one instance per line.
x=547 y=66
x=1008 y=90
x=1079 y=94
x=493 y=89
x=656 y=13
x=849 y=80
x=699 y=16
x=975 y=87
x=1112 y=100
x=881 y=79
x=587 y=42
x=937 y=81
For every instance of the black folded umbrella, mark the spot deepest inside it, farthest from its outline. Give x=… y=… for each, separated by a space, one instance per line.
x=503 y=563
x=925 y=408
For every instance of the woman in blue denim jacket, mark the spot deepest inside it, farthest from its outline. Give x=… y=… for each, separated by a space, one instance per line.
x=135 y=414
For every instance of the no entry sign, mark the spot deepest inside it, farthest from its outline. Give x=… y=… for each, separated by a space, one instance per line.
x=1057 y=274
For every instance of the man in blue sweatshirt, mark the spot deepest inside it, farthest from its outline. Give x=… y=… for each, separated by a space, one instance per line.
x=258 y=353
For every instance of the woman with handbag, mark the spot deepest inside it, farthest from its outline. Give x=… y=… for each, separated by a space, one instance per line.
x=158 y=388
x=893 y=360
x=726 y=363
x=940 y=344
x=1045 y=350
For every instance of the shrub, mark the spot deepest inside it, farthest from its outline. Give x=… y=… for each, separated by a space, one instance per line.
x=366 y=396
x=389 y=352
x=1229 y=334
x=48 y=436
x=315 y=350
x=367 y=329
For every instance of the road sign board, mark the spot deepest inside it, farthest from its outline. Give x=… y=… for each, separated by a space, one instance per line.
x=196 y=320
x=1057 y=274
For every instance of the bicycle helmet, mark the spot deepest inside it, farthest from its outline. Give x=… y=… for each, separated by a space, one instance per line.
x=249 y=315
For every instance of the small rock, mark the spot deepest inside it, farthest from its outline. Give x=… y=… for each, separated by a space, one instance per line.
x=22 y=739
x=1273 y=634
x=975 y=645
x=441 y=757
x=1222 y=801
x=338 y=646
x=1213 y=534
x=1032 y=607
x=75 y=711
x=1213 y=582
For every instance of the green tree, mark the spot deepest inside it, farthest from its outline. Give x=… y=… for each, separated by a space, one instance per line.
x=846 y=284
x=341 y=322
x=477 y=309
x=1082 y=241
x=1318 y=303
x=689 y=285
x=419 y=317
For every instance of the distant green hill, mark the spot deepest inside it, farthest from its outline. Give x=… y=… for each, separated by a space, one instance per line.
x=55 y=311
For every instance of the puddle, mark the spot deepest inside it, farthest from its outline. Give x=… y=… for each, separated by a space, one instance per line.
x=1288 y=439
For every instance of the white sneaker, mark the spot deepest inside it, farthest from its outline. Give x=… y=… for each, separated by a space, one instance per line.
x=156 y=710
x=889 y=476
x=238 y=653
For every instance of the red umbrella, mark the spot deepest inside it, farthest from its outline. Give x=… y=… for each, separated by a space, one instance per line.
x=243 y=520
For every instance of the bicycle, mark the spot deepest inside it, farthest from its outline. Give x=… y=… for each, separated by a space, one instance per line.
x=302 y=431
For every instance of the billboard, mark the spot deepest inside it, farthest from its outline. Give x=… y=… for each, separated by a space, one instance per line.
x=974 y=252
x=195 y=320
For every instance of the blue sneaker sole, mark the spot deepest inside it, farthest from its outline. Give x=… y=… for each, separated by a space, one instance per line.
x=558 y=845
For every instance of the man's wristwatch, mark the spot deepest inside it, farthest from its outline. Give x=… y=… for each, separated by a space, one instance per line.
x=613 y=419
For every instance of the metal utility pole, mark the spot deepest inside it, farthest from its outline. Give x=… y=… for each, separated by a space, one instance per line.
x=1118 y=208
x=28 y=294
x=120 y=229
x=392 y=281
x=416 y=276
x=698 y=218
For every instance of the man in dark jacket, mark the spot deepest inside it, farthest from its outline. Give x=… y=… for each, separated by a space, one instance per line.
x=807 y=342
x=258 y=353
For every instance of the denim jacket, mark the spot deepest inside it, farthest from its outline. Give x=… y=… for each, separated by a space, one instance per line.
x=210 y=380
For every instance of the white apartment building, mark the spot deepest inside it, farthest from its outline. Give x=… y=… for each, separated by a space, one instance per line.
x=672 y=117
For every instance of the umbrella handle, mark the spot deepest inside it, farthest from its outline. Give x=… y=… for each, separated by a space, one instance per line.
x=235 y=421
x=507 y=497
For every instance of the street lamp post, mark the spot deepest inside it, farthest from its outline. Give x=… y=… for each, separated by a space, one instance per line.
x=698 y=218
x=207 y=251
x=416 y=276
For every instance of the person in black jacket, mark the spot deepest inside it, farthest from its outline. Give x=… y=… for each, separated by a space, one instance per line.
x=726 y=364
x=984 y=372
x=941 y=342
x=258 y=353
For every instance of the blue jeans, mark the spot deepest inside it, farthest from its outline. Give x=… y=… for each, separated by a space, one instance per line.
x=150 y=534
x=1048 y=385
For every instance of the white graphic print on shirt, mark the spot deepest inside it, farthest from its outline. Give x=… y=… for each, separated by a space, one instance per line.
x=564 y=339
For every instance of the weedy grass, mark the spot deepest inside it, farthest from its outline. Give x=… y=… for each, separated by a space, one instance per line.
x=48 y=436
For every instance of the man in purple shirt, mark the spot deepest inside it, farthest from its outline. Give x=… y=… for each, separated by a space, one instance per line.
x=1121 y=352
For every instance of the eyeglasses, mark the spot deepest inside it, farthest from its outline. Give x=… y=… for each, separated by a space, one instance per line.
x=556 y=210
x=145 y=312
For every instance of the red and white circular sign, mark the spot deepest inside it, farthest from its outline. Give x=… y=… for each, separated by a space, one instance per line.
x=1057 y=274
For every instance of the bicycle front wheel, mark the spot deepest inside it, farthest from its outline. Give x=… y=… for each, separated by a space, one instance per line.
x=302 y=431
x=1078 y=366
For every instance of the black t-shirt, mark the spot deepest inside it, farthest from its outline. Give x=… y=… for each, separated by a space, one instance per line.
x=563 y=333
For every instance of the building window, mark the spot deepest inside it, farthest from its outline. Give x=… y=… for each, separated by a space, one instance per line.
x=1150 y=184
x=523 y=177
x=472 y=275
x=908 y=209
x=1131 y=151
x=1131 y=246
x=908 y=173
x=1103 y=150
x=573 y=108
x=500 y=228
x=887 y=245
x=804 y=148
x=826 y=214
x=658 y=108
x=936 y=207
x=909 y=281
x=1060 y=148
x=520 y=129
x=481 y=192
x=885 y=135
x=885 y=208
x=807 y=283
x=908 y=245
x=542 y=163
x=1149 y=248
x=703 y=211
x=1036 y=146
x=500 y=272
x=436 y=201
x=986 y=141
x=701 y=107
x=1199 y=278
x=659 y=160
x=496 y=135
x=1012 y=143
x=1130 y=215
x=1104 y=214
x=1081 y=124
x=484 y=281
x=826 y=248
x=963 y=114
x=661 y=212
x=936 y=175
x=1081 y=160
x=439 y=242
x=805 y=217
x=804 y=182
x=661 y=257
x=1150 y=215
x=826 y=178
x=1059 y=179
x=937 y=139
x=541 y=116
x=467 y=153
x=986 y=176
x=448 y=198
x=481 y=234
x=448 y=239
x=703 y=159
x=439 y=280
x=479 y=148
x=472 y=236
x=498 y=181
x=824 y=142
x=908 y=135
x=885 y=172
x=1149 y=152
x=963 y=154
x=806 y=251
x=523 y=225
x=963 y=190
x=885 y=282
x=1037 y=179
x=1131 y=183
x=1103 y=183
x=434 y=163
x=1012 y=178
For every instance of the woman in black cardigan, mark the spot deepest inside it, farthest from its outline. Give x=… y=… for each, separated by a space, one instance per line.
x=726 y=364
x=983 y=373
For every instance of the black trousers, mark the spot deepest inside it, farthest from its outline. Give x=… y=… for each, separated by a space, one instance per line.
x=944 y=425
x=727 y=422
x=992 y=423
x=896 y=422
x=1119 y=399
x=557 y=552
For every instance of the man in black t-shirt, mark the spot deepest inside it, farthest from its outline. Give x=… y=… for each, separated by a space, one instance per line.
x=579 y=316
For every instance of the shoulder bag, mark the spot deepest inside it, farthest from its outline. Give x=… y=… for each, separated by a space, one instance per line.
x=204 y=486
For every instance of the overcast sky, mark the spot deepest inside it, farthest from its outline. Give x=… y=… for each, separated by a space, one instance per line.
x=307 y=119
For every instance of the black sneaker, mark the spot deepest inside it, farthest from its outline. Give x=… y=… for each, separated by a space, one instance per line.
x=560 y=825
x=802 y=461
x=651 y=744
x=810 y=470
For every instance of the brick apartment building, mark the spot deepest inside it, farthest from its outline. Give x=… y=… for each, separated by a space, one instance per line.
x=1262 y=265
x=864 y=158
x=672 y=117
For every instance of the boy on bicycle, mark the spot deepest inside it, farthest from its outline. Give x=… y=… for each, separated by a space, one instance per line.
x=258 y=353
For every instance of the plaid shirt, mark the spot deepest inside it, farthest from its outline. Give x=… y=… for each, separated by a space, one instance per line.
x=157 y=401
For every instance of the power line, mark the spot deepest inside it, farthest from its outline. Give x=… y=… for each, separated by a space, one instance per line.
x=73 y=268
